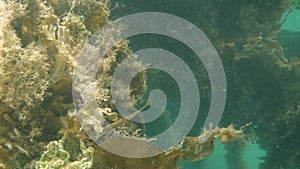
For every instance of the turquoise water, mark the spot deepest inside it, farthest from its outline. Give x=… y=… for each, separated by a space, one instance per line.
x=217 y=159
x=293 y=22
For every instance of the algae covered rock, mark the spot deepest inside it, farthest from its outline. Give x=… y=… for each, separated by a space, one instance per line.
x=56 y=156
x=37 y=52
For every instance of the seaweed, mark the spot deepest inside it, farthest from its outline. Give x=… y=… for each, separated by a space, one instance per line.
x=40 y=39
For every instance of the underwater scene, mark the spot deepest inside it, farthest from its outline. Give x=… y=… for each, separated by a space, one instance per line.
x=159 y=84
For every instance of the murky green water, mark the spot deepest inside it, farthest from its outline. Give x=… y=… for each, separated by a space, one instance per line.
x=289 y=37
